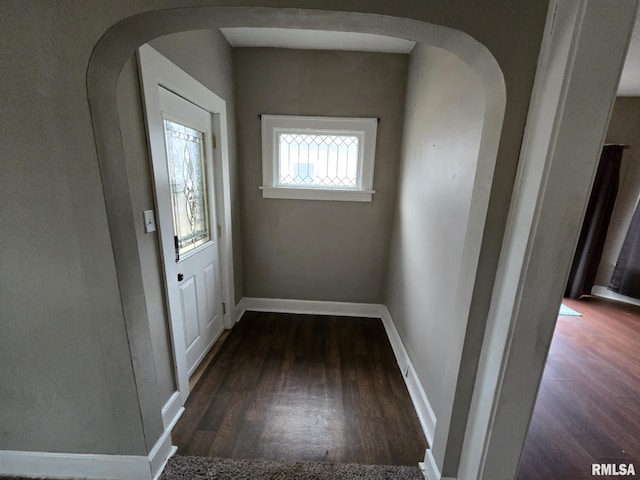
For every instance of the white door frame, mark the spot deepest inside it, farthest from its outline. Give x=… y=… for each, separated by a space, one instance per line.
x=155 y=71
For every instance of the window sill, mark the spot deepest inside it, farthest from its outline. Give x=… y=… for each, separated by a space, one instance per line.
x=295 y=193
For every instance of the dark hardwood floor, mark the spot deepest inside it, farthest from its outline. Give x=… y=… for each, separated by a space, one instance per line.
x=303 y=388
x=588 y=406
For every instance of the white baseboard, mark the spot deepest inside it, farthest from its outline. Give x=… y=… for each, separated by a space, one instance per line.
x=604 y=292
x=419 y=398
x=172 y=410
x=427 y=471
x=74 y=465
x=430 y=469
x=313 y=307
x=91 y=466
x=163 y=450
x=239 y=310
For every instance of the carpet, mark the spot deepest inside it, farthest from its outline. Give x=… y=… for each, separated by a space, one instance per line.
x=204 y=468
x=564 y=310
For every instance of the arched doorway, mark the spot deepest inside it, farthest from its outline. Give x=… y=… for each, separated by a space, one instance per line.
x=119 y=44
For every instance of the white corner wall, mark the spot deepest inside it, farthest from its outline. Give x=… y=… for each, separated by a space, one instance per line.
x=445 y=108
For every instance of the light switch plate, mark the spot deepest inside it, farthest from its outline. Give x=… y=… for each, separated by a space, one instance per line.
x=149 y=221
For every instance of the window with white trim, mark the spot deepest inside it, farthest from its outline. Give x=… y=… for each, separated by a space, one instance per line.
x=318 y=158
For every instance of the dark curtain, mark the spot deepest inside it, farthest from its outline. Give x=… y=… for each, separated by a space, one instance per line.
x=626 y=274
x=596 y=222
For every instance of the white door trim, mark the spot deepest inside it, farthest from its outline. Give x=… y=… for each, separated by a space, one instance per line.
x=155 y=71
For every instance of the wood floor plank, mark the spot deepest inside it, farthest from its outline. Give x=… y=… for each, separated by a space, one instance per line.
x=587 y=410
x=303 y=388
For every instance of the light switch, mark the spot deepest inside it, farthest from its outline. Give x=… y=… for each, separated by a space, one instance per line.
x=149 y=221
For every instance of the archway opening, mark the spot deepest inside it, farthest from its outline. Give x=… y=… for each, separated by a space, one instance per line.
x=117 y=46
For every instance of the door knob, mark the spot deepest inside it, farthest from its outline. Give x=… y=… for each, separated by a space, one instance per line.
x=180 y=277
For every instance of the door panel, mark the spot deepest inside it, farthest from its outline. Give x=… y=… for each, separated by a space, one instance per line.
x=210 y=285
x=206 y=315
x=189 y=302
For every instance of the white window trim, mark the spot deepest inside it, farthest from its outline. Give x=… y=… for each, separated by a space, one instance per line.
x=364 y=128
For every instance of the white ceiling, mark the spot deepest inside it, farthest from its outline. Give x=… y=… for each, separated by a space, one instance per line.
x=366 y=42
x=314 y=40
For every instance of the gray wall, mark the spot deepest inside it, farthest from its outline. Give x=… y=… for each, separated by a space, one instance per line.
x=205 y=55
x=318 y=250
x=66 y=375
x=66 y=371
x=624 y=127
x=443 y=125
x=135 y=147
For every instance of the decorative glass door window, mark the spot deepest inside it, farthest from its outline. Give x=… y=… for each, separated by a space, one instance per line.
x=318 y=158
x=188 y=179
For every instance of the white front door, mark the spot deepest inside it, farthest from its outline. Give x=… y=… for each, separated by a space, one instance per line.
x=185 y=194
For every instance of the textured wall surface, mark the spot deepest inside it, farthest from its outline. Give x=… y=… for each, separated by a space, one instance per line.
x=443 y=126
x=138 y=170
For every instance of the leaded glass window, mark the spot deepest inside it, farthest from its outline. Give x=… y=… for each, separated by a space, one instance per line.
x=188 y=179
x=317 y=160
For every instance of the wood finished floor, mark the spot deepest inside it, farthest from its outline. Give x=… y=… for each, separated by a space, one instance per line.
x=588 y=406
x=303 y=388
